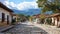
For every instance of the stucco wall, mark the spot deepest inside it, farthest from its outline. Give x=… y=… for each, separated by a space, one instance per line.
x=56 y=21
x=52 y=20
x=6 y=13
x=59 y=21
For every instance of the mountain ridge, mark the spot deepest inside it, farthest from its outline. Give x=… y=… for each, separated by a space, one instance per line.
x=28 y=11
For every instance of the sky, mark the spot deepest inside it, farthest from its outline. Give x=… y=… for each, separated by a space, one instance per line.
x=20 y=4
x=23 y=5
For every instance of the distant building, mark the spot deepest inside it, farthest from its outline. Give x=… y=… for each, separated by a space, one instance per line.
x=36 y=19
x=15 y=17
x=5 y=15
x=40 y=18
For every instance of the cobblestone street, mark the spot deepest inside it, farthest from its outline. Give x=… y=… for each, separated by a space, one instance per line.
x=30 y=28
x=29 y=16
x=26 y=28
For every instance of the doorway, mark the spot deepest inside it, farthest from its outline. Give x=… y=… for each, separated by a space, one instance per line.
x=7 y=19
x=3 y=17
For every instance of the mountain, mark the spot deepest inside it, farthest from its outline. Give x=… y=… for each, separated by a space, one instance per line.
x=28 y=11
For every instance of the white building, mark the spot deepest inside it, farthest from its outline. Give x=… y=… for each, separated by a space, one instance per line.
x=5 y=15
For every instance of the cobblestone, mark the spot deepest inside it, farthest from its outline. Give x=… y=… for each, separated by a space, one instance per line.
x=48 y=28
x=29 y=28
x=26 y=28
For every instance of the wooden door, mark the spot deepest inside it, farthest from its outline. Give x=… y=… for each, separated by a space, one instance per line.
x=3 y=17
x=7 y=19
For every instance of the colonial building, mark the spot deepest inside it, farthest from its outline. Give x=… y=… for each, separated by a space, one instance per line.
x=5 y=15
x=36 y=19
x=39 y=18
x=16 y=17
x=56 y=19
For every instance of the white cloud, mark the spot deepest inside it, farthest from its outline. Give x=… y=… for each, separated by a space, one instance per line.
x=21 y=6
x=27 y=5
x=12 y=4
x=7 y=4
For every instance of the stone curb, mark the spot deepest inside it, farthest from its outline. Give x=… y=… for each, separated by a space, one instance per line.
x=48 y=26
x=7 y=28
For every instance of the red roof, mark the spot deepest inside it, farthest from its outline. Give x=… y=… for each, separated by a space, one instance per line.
x=57 y=14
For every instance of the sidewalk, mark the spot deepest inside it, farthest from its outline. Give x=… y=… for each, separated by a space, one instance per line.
x=5 y=28
x=48 y=28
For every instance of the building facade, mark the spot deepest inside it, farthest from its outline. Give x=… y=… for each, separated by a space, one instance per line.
x=56 y=19
x=5 y=15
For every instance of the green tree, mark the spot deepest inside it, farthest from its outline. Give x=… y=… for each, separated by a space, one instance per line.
x=22 y=17
x=27 y=17
x=51 y=5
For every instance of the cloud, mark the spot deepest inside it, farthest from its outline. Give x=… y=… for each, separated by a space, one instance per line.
x=27 y=5
x=7 y=4
x=12 y=4
x=21 y=6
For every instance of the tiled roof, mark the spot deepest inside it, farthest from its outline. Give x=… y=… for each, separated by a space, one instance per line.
x=45 y=15
x=56 y=14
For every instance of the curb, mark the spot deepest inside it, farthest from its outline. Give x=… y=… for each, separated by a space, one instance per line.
x=7 y=28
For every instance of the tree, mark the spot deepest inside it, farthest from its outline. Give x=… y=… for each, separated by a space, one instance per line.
x=51 y=5
x=28 y=16
x=22 y=17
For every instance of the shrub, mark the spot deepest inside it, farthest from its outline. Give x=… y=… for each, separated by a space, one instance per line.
x=49 y=21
